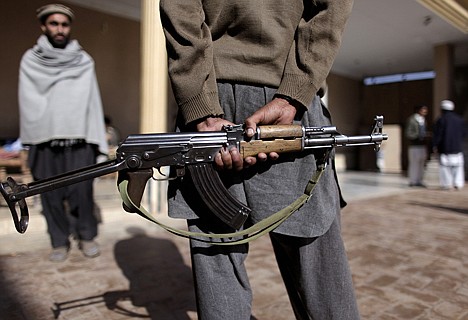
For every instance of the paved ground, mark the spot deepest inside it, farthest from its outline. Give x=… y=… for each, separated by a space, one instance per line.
x=407 y=250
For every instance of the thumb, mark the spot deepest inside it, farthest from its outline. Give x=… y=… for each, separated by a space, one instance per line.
x=252 y=122
x=250 y=126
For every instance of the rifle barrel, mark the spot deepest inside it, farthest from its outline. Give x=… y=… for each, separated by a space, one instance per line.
x=342 y=140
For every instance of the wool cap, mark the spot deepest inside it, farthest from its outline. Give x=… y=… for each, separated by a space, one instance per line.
x=49 y=9
x=447 y=105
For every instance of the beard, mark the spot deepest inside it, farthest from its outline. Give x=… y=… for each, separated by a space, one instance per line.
x=59 y=43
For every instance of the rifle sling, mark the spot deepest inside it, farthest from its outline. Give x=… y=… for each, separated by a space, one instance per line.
x=255 y=231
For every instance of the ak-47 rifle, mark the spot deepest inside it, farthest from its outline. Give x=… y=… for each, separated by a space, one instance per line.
x=138 y=154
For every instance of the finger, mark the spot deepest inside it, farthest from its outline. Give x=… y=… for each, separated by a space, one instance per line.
x=262 y=157
x=250 y=131
x=250 y=161
x=237 y=161
x=219 y=161
x=226 y=158
x=251 y=125
x=273 y=156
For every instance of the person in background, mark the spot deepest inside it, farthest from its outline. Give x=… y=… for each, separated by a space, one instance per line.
x=112 y=133
x=113 y=137
x=416 y=133
x=449 y=132
x=61 y=119
x=260 y=62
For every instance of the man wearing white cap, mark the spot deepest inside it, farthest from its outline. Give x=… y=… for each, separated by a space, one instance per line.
x=449 y=131
x=62 y=121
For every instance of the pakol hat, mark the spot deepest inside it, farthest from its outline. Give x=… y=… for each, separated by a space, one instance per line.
x=49 y=9
x=447 y=105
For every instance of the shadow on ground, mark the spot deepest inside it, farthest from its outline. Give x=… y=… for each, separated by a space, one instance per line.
x=159 y=281
x=440 y=207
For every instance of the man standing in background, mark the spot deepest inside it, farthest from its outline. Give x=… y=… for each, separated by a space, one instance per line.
x=416 y=132
x=449 y=131
x=61 y=119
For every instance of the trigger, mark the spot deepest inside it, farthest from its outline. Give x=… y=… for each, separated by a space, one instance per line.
x=180 y=171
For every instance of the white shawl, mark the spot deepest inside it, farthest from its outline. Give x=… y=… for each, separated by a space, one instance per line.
x=59 y=96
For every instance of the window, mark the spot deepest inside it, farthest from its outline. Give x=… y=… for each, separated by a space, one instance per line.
x=401 y=77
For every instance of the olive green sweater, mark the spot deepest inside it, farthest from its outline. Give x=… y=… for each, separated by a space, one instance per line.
x=289 y=45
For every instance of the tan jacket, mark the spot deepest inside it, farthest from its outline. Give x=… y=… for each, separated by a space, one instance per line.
x=281 y=44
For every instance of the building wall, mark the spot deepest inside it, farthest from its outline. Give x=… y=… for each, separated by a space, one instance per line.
x=344 y=103
x=113 y=42
x=396 y=101
x=354 y=106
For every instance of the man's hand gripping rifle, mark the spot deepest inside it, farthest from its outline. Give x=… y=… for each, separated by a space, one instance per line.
x=139 y=154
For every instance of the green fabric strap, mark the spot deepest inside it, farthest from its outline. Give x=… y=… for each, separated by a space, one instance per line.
x=249 y=234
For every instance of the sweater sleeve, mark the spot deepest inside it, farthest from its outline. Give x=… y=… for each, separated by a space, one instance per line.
x=312 y=54
x=190 y=58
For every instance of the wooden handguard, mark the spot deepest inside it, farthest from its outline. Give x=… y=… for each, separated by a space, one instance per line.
x=252 y=148
x=279 y=131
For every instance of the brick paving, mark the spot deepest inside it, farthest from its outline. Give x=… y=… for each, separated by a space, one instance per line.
x=408 y=254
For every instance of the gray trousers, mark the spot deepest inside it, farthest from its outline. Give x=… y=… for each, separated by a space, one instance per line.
x=308 y=246
x=417 y=156
x=314 y=270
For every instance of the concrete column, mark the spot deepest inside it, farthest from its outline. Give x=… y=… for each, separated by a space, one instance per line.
x=443 y=82
x=154 y=85
x=154 y=93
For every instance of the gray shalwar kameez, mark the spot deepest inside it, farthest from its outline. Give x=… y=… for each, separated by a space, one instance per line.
x=308 y=246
